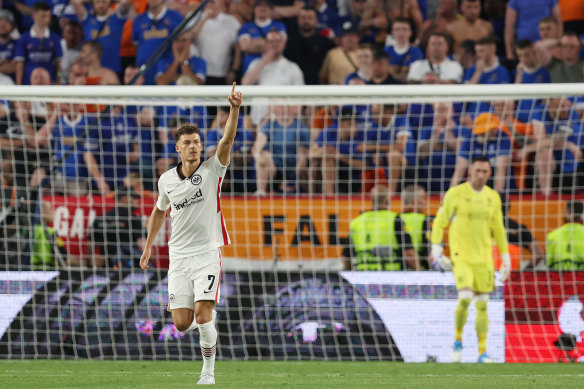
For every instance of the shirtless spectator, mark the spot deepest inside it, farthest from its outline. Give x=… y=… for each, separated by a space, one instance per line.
x=408 y=9
x=91 y=53
x=445 y=15
x=470 y=26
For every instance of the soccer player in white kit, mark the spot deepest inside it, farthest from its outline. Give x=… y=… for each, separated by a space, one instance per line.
x=192 y=191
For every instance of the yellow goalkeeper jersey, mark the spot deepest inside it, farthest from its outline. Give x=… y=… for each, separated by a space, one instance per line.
x=475 y=219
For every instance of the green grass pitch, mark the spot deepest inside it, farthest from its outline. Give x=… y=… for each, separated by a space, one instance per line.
x=266 y=374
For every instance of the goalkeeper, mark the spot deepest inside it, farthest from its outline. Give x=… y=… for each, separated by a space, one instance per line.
x=474 y=213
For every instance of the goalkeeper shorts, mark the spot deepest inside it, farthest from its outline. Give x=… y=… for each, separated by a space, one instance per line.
x=477 y=276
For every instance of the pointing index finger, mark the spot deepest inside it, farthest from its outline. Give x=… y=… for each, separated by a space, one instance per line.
x=233 y=89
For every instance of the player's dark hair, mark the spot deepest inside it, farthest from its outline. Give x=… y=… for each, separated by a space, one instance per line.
x=523 y=44
x=480 y=158
x=380 y=55
x=549 y=19
x=38 y=6
x=75 y=24
x=575 y=208
x=446 y=37
x=96 y=47
x=309 y=8
x=488 y=40
x=403 y=20
x=186 y=130
x=468 y=46
x=571 y=33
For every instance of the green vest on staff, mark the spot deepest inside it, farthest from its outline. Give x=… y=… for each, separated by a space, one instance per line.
x=373 y=229
x=565 y=247
x=415 y=227
x=42 y=253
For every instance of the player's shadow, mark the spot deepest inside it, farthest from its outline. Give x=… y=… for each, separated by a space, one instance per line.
x=566 y=343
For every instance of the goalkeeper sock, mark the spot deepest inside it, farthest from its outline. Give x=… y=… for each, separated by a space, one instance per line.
x=208 y=343
x=482 y=325
x=461 y=315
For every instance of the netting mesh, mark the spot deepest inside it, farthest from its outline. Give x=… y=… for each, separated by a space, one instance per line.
x=79 y=180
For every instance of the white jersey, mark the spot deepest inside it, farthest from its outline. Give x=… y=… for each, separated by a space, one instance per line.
x=197 y=222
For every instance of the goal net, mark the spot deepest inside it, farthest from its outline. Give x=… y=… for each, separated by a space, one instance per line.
x=79 y=174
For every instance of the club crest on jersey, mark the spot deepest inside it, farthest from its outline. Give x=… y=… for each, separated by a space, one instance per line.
x=196 y=179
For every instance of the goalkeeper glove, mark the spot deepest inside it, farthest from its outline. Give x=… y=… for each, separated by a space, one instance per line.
x=505 y=268
x=440 y=262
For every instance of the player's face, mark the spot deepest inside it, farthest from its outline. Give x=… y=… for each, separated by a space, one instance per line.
x=40 y=76
x=347 y=129
x=262 y=11
x=189 y=147
x=101 y=6
x=485 y=52
x=380 y=67
x=5 y=27
x=480 y=172
x=437 y=47
x=42 y=18
x=222 y=117
x=182 y=42
x=307 y=20
x=570 y=48
x=527 y=57
x=548 y=31
x=470 y=10
x=401 y=32
x=364 y=58
x=86 y=55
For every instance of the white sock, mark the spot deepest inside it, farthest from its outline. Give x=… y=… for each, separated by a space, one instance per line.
x=193 y=326
x=208 y=343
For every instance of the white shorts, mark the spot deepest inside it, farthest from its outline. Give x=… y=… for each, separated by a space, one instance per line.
x=194 y=278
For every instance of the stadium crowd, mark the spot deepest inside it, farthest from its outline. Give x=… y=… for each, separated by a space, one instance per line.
x=534 y=145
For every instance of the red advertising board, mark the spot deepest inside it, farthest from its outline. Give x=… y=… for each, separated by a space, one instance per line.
x=544 y=318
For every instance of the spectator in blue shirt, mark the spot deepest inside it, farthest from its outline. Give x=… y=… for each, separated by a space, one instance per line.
x=240 y=174
x=280 y=151
x=110 y=151
x=337 y=156
x=486 y=70
x=522 y=20
x=390 y=142
x=555 y=127
x=106 y=27
x=7 y=44
x=252 y=35
x=529 y=71
x=328 y=18
x=438 y=145
x=150 y=30
x=61 y=133
x=181 y=64
x=38 y=47
x=399 y=50
x=491 y=141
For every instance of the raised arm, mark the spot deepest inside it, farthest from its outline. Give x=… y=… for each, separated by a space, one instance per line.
x=226 y=143
x=510 y=20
